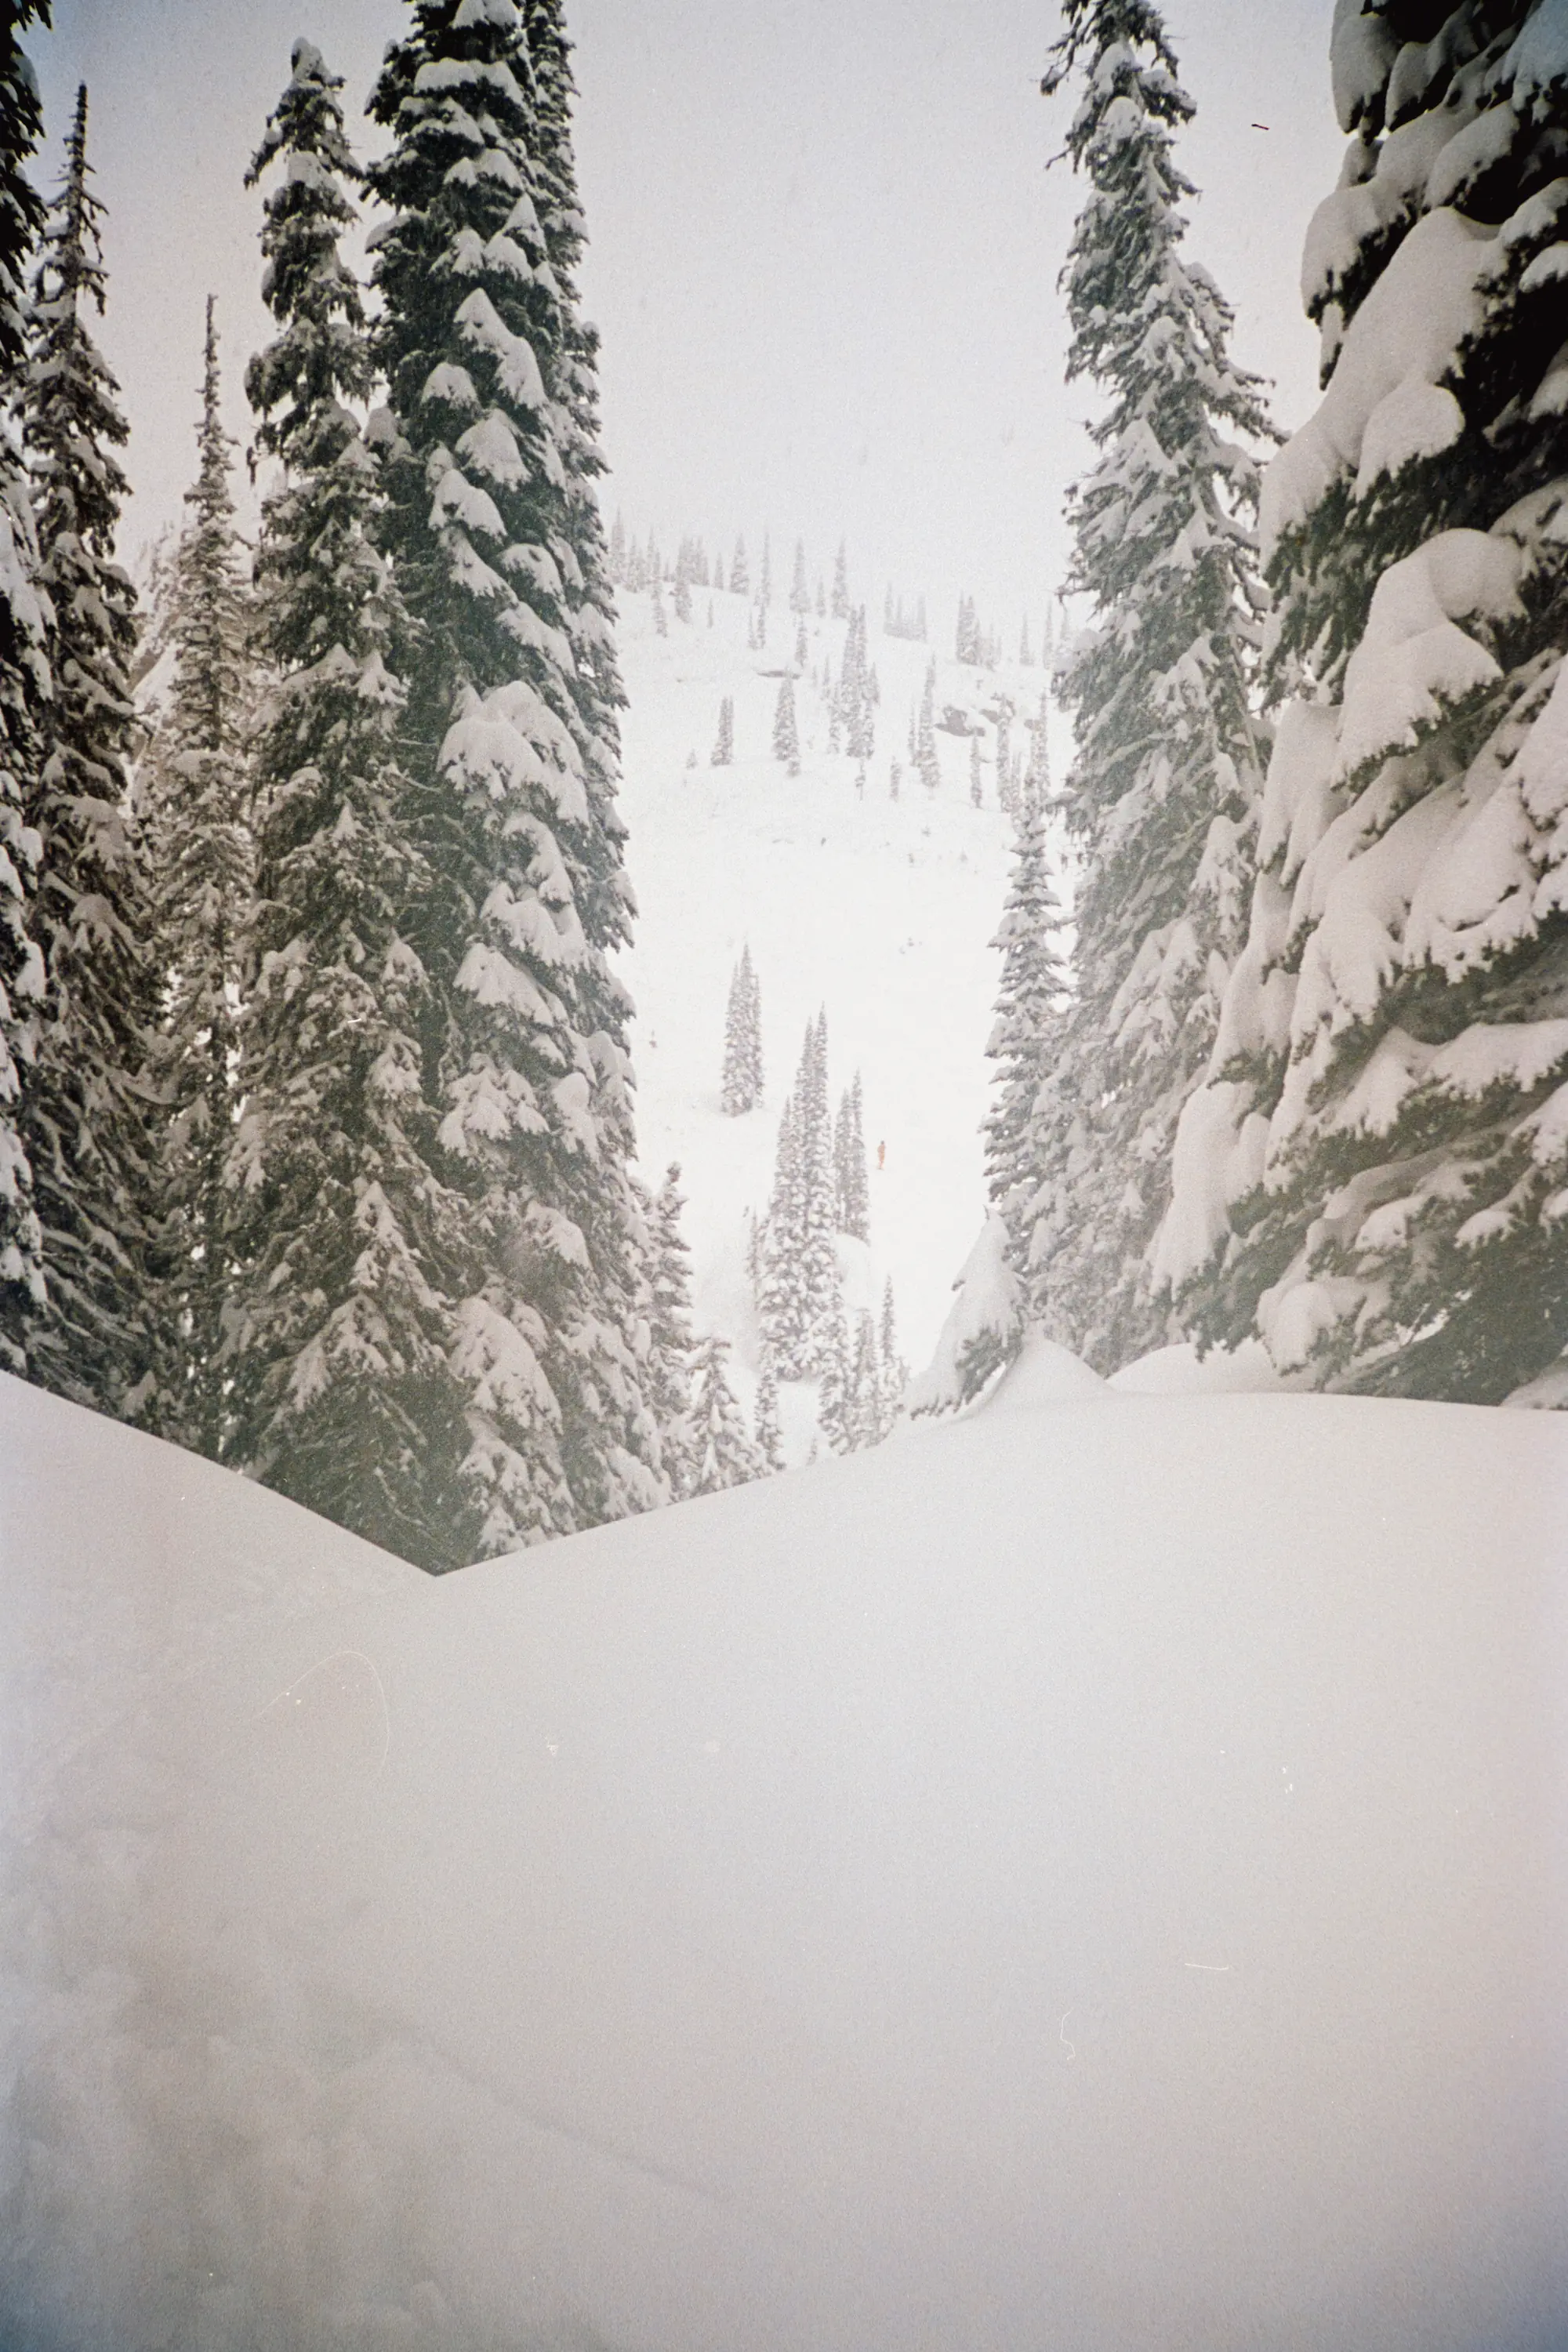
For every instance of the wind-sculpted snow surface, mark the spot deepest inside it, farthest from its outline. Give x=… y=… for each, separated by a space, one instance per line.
x=1089 y=1873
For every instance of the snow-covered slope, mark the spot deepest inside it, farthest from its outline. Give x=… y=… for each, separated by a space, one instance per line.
x=1091 y=1875
x=882 y=910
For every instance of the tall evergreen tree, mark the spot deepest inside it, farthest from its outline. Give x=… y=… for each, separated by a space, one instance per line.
x=740 y=572
x=723 y=1450
x=203 y=882
x=672 y=1351
x=24 y=687
x=510 y=743
x=740 y=1088
x=88 y=1122
x=781 y=1307
x=1375 y=1178
x=923 y=751
x=723 y=752
x=798 y=1288
x=799 y=594
x=840 y=603
x=1030 y=1011
x=786 y=733
x=339 y=1394
x=894 y=1370
x=1161 y=798
x=769 y=1437
x=836 y=1402
x=851 y=1190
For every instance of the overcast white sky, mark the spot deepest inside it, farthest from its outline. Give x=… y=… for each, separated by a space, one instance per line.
x=823 y=248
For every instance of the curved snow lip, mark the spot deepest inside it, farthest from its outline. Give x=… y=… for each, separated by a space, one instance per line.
x=1246 y=1370
x=1042 y=1373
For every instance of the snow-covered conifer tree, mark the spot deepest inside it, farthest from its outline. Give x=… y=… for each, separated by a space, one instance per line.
x=24 y=685
x=723 y=752
x=1376 y=1177
x=798 y=1293
x=661 y=618
x=723 y=1450
x=799 y=594
x=341 y=1233
x=1163 y=791
x=671 y=1351
x=740 y=1088
x=780 y=1296
x=976 y=778
x=717 y=572
x=840 y=604
x=88 y=1122
x=765 y=581
x=851 y=1190
x=836 y=1403
x=683 y=600
x=509 y=739
x=865 y=1415
x=787 y=734
x=925 y=753
x=195 y=794
x=769 y=1437
x=740 y=572
x=894 y=1371
x=1030 y=1014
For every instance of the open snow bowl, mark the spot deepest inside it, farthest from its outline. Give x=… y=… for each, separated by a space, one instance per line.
x=1088 y=1876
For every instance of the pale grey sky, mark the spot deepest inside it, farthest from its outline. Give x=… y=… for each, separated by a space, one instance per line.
x=823 y=248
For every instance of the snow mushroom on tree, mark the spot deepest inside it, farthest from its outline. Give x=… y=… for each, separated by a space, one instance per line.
x=1375 y=1178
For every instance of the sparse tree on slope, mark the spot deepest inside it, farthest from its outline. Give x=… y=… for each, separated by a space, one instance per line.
x=723 y=752
x=88 y=1121
x=851 y=1191
x=24 y=685
x=340 y=1395
x=840 y=604
x=799 y=594
x=769 y=1437
x=721 y=1445
x=1030 y=1005
x=672 y=1355
x=787 y=734
x=1376 y=1177
x=1161 y=798
x=740 y=1088
x=927 y=764
x=203 y=882
x=510 y=745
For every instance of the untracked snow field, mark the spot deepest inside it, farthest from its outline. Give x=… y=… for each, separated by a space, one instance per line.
x=881 y=910
x=1092 y=1874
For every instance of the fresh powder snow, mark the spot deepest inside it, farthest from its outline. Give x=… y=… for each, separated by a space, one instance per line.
x=1088 y=1872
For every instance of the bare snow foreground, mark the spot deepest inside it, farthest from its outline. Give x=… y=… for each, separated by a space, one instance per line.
x=1091 y=1875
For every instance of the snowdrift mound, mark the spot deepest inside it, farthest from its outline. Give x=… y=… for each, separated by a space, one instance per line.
x=1092 y=1875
